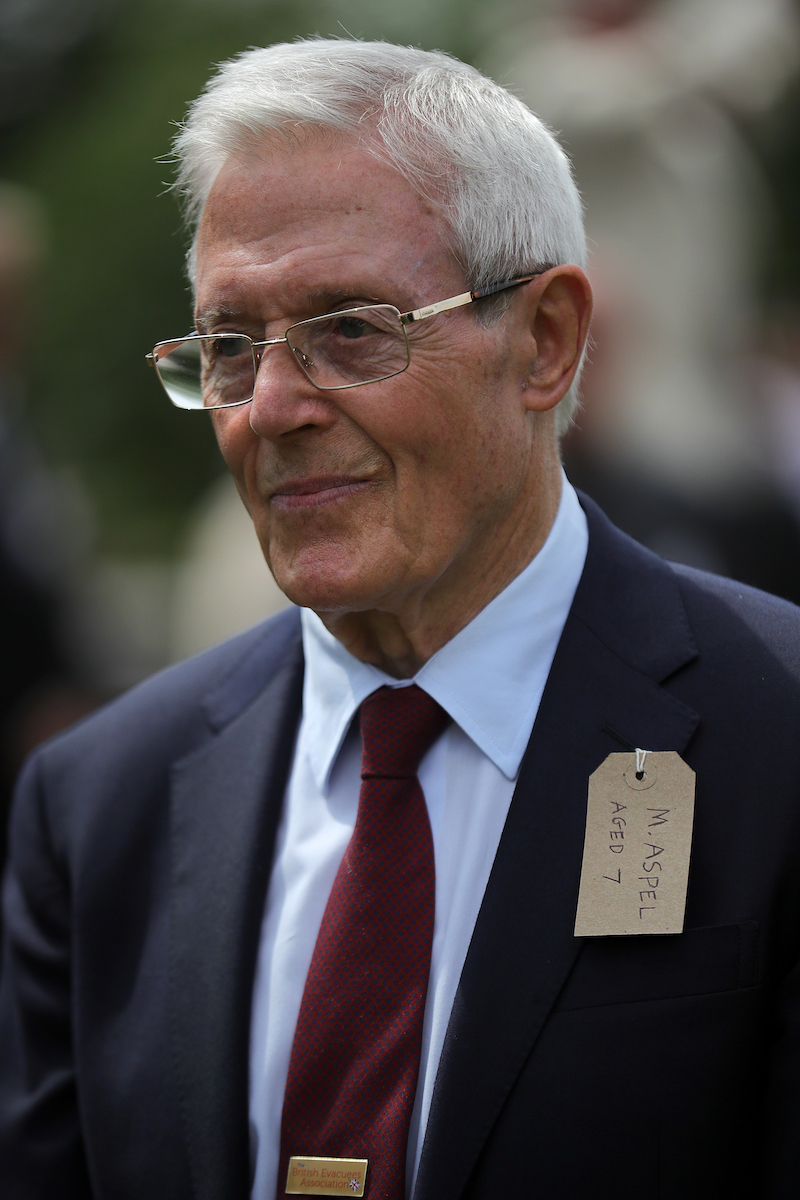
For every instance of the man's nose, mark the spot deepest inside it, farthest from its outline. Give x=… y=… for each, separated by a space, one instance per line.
x=284 y=399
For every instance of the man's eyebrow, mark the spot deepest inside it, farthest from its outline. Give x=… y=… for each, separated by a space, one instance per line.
x=324 y=300
x=215 y=315
x=317 y=302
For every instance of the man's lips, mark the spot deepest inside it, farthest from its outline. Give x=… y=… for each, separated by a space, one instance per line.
x=310 y=493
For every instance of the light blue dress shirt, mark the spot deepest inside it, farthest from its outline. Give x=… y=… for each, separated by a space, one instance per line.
x=490 y=678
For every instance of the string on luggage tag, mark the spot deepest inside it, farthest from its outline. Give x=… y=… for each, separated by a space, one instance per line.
x=641 y=755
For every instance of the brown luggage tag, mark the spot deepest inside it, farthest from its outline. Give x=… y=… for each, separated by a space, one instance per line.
x=635 y=870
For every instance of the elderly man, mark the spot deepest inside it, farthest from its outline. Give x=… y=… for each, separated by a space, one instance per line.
x=316 y=913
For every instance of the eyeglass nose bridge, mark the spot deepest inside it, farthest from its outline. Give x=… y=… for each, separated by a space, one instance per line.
x=259 y=348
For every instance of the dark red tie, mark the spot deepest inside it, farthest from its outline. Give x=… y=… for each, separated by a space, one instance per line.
x=355 y=1056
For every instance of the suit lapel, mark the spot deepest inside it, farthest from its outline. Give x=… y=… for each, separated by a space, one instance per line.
x=226 y=802
x=626 y=631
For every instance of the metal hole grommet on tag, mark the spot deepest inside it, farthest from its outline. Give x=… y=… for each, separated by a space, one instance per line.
x=635 y=872
x=314 y=1176
x=641 y=774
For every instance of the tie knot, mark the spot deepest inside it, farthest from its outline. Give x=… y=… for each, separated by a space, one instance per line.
x=398 y=727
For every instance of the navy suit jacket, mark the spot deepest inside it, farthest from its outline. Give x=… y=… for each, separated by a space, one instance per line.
x=614 y=1068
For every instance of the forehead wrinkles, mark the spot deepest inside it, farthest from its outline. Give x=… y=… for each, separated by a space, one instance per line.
x=294 y=286
x=293 y=142
x=317 y=180
x=330 y=220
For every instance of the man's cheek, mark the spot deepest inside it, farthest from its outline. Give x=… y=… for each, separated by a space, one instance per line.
x=231 y=425
x=234 y=438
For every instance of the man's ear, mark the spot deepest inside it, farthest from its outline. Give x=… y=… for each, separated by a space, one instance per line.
x=556 y=311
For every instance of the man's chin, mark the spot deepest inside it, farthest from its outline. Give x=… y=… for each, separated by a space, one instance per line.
x=325 y=591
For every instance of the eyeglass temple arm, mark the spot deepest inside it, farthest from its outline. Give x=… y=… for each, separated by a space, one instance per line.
x=430 y=310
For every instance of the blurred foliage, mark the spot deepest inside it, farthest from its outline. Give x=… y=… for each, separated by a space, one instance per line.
x=114 y=282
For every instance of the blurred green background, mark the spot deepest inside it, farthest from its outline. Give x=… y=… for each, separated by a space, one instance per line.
x=88 y=134
x=113 y=280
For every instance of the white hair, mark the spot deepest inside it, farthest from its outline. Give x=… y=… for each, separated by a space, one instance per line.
x=504 y=183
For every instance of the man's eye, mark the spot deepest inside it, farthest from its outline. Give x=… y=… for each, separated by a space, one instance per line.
x=352 y=327
x=230 y=347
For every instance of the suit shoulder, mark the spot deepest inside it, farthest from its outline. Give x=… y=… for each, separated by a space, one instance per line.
x=671 y=621
x=722 y=611
x=181 y=703
x=106 y=781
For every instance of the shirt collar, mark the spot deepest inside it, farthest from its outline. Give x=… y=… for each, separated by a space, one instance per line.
x=489 y=677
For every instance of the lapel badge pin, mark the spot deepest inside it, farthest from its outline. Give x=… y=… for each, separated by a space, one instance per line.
x=315 y=1176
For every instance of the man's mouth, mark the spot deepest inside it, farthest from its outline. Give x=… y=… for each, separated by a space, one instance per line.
x=311 y=493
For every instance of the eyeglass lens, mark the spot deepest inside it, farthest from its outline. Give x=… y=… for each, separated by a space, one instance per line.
x=342 y=350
